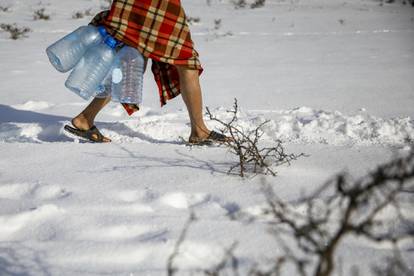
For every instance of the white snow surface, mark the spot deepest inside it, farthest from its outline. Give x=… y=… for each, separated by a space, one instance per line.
x=333 y=78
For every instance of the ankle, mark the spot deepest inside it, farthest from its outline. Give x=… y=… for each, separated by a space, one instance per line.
x=82 y=122
x=200 y=132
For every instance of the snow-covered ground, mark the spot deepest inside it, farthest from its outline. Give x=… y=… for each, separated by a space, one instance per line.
x=334 y=77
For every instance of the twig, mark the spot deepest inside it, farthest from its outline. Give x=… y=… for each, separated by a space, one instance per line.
x=252 y=158
x=171 y=270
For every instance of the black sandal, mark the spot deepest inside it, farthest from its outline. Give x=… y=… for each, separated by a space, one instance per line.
x=211 y=139
x=217 y=137
x=93 y=134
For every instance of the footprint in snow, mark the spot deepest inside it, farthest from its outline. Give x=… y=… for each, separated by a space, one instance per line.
x=129 y=196
x=183 y=200
x=33 y=106
x=49 y=192
x=123 y=232
x=11 y=224
x=15 y=191
x=34 y=191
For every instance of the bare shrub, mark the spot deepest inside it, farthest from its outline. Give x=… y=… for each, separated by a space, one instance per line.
x=258 y=4
x=310 y=230
x=216 y=33
x=246 y=145
x=392 y=266
x=217 y=24
x=4 y=8
x=78 y=15
x=15 y=31
x=82 y=14
x=343 y=208
x=41 y=15
x=228 y=258
x=404 y=2
x=171 y=269
x=239 y=4
x=193 y=20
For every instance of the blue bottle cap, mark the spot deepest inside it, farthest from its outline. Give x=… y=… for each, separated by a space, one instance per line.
x=102 y=31
x=111 y=42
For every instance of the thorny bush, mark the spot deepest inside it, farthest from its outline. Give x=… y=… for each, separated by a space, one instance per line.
x=247 y=146
x=310 y=230
x=15 y=31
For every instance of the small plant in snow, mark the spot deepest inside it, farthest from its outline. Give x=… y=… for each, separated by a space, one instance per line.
x=404 y=2
x=193 y=20
x=217 y=24
x=257 y=4
x=15 y=31
x=82 y=14
x=311 y=230
x=4 y=8
x=341 y=208
x=239 y=4
x=40 y=15
x=246 y=145
x=215 y=31
x=78 y=15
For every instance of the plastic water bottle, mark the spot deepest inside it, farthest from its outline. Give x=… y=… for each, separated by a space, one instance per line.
x=127 y=76
x=92 y=69
x=66 y=52
x=105 y=88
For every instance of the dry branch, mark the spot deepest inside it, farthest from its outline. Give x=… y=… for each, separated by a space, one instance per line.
x=171 y=269
x=246 y=145
x=340 y=208
x=15 y=31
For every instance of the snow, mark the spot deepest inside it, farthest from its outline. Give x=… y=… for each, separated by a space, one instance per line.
x=333 y=78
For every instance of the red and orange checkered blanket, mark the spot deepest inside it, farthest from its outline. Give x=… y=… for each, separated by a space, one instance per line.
x=159 y=30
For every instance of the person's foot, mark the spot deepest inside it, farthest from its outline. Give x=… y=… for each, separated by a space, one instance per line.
x=93 y=134
x=198 y=134
x=207 y=138
x=82 y=123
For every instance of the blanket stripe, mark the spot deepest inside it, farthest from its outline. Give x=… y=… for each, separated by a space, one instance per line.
x=159 y=30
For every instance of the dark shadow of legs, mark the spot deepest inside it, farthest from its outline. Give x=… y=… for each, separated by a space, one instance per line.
x=139 y=161
x=52 y=127
x=11 y=115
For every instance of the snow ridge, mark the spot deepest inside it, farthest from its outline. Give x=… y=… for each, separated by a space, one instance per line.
x=303 y=125
x=307 y=125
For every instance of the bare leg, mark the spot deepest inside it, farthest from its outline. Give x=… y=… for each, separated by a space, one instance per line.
x=191 y=93
x=85 y=120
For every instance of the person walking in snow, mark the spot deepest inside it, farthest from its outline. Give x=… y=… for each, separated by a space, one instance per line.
x=158 y=29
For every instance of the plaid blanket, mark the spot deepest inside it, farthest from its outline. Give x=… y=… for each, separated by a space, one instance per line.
x=159 y=30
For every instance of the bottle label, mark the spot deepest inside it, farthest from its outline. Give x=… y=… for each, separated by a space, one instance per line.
x=116 y=75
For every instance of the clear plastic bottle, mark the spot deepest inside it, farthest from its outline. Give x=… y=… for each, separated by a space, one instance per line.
x=105 y=88
x=92 y=69
x=127 y=76
x=66 y=52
